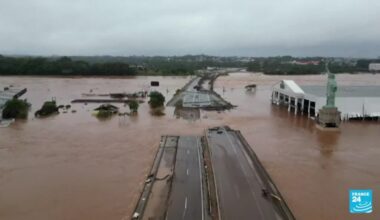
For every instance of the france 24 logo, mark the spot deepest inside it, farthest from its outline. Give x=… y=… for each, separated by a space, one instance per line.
x=361 y=201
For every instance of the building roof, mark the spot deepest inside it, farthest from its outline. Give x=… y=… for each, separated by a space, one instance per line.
x=293 y=86
x=374 y=66
x=344 y=91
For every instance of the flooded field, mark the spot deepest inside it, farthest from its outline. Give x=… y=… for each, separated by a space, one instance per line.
x=75 y=166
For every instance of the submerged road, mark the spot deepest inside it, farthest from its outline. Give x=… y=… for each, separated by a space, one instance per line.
x=186 y=199
x=239 y=186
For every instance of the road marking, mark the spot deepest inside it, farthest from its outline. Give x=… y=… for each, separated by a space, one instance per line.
x=188 y=152
x=187 y=172
x=184 y=211
x=200 y=177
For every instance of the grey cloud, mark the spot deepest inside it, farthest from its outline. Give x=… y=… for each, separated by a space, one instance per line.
x=175 y=27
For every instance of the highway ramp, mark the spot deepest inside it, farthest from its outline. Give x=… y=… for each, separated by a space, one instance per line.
x=186 y=198
x=213 y=177
x=242 y=191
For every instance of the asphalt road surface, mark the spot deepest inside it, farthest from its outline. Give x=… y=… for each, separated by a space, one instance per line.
x=196 y=99
x=239 y=187
x=186 y=199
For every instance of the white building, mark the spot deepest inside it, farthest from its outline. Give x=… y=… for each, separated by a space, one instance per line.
x=374 y=67
x=352 y=101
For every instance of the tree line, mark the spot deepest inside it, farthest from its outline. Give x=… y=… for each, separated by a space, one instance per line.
x=174 y=65
x=107 y=65
x=60 y=66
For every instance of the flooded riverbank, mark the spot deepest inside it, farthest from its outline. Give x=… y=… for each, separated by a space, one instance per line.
x=73 y=166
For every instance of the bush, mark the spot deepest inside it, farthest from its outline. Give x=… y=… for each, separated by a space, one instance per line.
x=133 y=106
x=156 y=99
x=16 y=108
x=106 y=110
x=107 y=107
x=104 y=113
x=48 y=108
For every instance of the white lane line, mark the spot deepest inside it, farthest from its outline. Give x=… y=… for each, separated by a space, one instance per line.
x=184 y=211
x=200 y=178
x=188 y=152
x=187 y=172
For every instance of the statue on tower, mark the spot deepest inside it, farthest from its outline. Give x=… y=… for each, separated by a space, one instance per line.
x=329 y=116
x=331 y=90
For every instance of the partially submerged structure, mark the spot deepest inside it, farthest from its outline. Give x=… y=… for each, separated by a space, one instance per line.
x=352 y=101
x=190 y=114
x=251 y=87
x=374 y=67
x=329 y=115
x=198 y=166
x=194 y=95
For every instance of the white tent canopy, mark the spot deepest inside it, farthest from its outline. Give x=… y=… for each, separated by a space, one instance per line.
x=352 y=101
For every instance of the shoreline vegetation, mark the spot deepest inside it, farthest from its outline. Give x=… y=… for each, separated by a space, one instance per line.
x=83 y=66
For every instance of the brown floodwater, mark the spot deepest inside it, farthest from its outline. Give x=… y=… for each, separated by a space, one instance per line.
x=74 y=166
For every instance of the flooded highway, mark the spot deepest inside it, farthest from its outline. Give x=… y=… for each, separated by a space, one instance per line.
x=238 y=180
x=186 y=199
x=75 y=166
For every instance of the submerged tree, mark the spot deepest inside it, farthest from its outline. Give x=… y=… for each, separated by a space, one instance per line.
x=133 y=106
x=48 y=108
x=16 y=108
x=156 y=99
x=106 y=111
x=104 y=114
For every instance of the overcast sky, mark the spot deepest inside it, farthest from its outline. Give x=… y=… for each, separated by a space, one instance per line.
x=177 y=27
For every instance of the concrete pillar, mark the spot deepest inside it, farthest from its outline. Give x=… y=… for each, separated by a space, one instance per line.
x=276 y=97
x=289 y=102
x=302 y=106
x=308 y=109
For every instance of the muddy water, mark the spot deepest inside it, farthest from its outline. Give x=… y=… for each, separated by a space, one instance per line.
x=74 y=166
